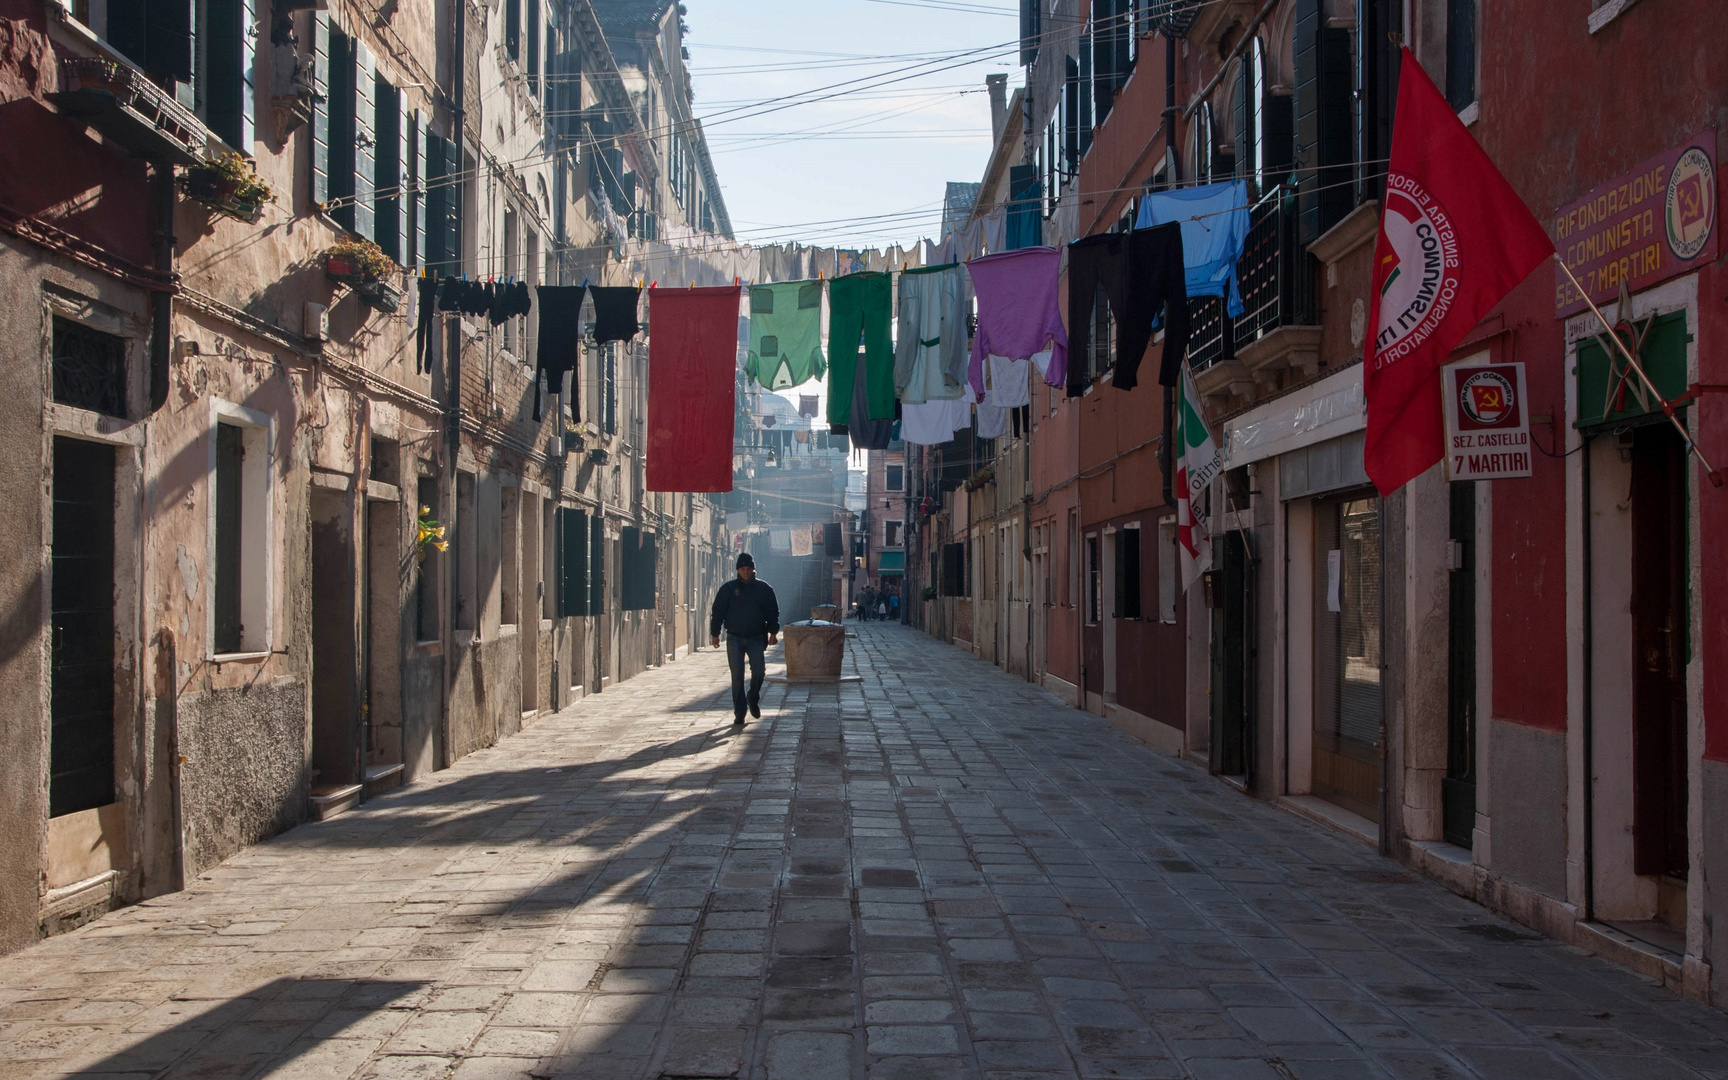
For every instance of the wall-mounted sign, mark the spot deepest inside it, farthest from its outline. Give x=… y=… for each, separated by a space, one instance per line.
x=1656 y=222
x=1487 y=425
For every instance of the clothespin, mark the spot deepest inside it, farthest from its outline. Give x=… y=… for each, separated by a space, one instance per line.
x=584 y=283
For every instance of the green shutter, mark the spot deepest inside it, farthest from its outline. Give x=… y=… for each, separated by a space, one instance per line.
x=573 y=562
x=320 y=125
x=387 y=168
x=596 y=566
x=366 y=148
x=250 y=32
x=417 y=125
x=534 y=47
x=1324 y=111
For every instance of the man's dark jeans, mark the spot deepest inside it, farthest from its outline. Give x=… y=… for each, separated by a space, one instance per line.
x=738 y=647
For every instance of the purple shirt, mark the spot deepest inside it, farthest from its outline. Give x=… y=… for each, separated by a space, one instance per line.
x=1017 y=314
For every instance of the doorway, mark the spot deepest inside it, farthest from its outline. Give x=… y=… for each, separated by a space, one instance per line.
x=335 y=645
x=1659 y=657
x=1347 y=673
x=1228 y=593
x=1458 y=786
x=81 y=603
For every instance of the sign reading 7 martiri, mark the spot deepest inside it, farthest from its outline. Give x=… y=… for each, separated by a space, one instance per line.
x=1656 y=222
x=1487 y=427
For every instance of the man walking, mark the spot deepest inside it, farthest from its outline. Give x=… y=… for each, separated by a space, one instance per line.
x=750 y=612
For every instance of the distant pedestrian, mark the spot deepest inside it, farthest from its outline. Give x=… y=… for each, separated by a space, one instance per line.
x=894 y=607
x=750 y=613
x=882 y=609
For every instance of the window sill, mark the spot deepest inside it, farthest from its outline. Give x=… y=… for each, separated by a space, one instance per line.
x=1607 y=13
x=240 y=657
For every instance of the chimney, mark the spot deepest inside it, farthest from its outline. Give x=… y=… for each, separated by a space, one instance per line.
x=998 y=86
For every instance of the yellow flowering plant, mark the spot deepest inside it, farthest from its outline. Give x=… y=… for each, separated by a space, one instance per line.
x=428 y=534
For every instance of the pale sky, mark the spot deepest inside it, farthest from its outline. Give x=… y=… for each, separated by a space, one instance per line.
x=879 y=151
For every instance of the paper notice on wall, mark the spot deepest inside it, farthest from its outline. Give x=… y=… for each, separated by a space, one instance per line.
x=1334 y=578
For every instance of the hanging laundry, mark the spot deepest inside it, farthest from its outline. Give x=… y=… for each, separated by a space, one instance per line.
x=780 y=541
x=801 y=541
x=691 y=392
x=996 y=230
x=615 y=313
x=932 y=423
x=859 y=306
x=560 y=343
x=807 y=405
x=1214 y=220
x=992 y=421
x=1141 y=274
x=786 y=334
x=427 y=289
x=1008 y=382
x=1018 y=310
x=1025 y=194
x=864 y=433
x=450 y=294
x=930 y=353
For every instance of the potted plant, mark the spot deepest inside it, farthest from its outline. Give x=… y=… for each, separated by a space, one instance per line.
x=928 y=592
x=363 y=266
x=980 y=478
x=229 y=185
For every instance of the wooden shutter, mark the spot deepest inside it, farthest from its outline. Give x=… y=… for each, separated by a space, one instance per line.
x=629 y=568
x=513 y=28
x=533 y=46
x=366 y=148
x=1242 y=118
x=596 y=566
x=220 y=79
x=1031 y=28
x=320 y=125
x=249 y=36
x=1324 y=119
x=573 y=562
x=404 y=181
x=169 y=38
x=417 y=124
x=387 y=168
x=453 y=205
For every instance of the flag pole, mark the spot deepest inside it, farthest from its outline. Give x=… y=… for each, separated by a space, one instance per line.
x=1667 y=406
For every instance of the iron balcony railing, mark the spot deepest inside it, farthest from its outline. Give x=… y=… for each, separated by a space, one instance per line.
x=123 y=104
x=1279 y=282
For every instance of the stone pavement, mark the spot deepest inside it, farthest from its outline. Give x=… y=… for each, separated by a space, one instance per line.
x=939 y=871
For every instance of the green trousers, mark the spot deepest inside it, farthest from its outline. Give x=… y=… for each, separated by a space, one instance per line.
x=858 y=306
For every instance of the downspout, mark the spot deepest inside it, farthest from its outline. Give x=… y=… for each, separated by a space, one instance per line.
x=1589 y=704
x=453 y=391
x=1170 y=156
x=162 y=300
x=1385 y=844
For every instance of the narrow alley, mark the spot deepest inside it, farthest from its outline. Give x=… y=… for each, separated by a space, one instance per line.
x=936 y=870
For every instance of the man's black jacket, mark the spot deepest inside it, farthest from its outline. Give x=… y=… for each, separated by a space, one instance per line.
x=745 y=608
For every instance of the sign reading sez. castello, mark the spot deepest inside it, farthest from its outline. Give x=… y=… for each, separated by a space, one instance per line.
x=1487 y=427
x=1656 y=222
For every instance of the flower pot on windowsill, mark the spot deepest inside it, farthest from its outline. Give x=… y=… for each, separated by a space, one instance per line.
x=224 y=194
x=380 y=296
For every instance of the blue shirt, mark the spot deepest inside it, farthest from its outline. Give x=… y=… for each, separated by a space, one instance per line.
x=1214 y=221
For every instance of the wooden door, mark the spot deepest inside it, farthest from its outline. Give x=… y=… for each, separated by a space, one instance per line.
x=1659 y=652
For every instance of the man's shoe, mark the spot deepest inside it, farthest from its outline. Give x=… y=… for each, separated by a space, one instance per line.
x=755 y=709
x=738 y=721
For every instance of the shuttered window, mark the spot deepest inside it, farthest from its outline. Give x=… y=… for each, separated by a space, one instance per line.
x=1324 y=118
x=1127 y=573
x=534 y=47
x=443 y=205
x=639 y=559
x=513 y=29
x=320 y=125
x=226 y=83
x=340 y=161
x=954 y=569
x=156 y=34
x=417 y=125
x=573 y=562
x=1112 y=59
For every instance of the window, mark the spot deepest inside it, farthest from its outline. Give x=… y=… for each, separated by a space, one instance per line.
x=1101 y=350
x=573 y=562
x=226 y=54
x=509 y=554
x=1112 y=36
x=465 y=548
x=596 y=566
x=1031 y=29
x=1461 y=53
x=1324 y=110
x=533 y=47
x=157 y=35
x=1127 y=555
x=609 y=387
x=89 y=368
x=1168 y=570
x=443 y=200
x=389 y=172
x=513 y=29
x=891 y=533
x=894 y=478
x=551 y=586
x=351 y=155
x=1094 y=580
x=239 y=545
x=81 y=608
x=511 y=268
x=954 y=570
x=1071 y=588
x=428 y=580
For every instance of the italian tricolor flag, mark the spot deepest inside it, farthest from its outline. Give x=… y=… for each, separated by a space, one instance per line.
x=1197 y=464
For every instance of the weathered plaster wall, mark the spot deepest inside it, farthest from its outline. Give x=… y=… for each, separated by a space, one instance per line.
x=245 y=775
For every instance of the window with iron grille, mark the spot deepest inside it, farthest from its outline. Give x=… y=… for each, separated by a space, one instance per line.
x=89 y=368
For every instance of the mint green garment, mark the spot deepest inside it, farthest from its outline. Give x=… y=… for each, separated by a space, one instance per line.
x=786 y=334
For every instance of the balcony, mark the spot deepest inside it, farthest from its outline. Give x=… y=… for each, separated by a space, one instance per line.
x=1279 y=329
x=130 y=110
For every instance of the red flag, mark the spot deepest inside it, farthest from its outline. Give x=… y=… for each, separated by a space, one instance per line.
x=1454 y=240
x=692 y=355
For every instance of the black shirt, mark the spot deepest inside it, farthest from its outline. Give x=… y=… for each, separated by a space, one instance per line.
x=745 y=608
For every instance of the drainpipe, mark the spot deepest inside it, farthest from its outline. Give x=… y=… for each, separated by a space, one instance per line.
x=1589 y=703
x=162 y=301
x=1385 y=743
x=1164 y=454
x=453 y=392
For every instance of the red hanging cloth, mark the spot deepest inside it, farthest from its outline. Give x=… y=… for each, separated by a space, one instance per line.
x=692 y=357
